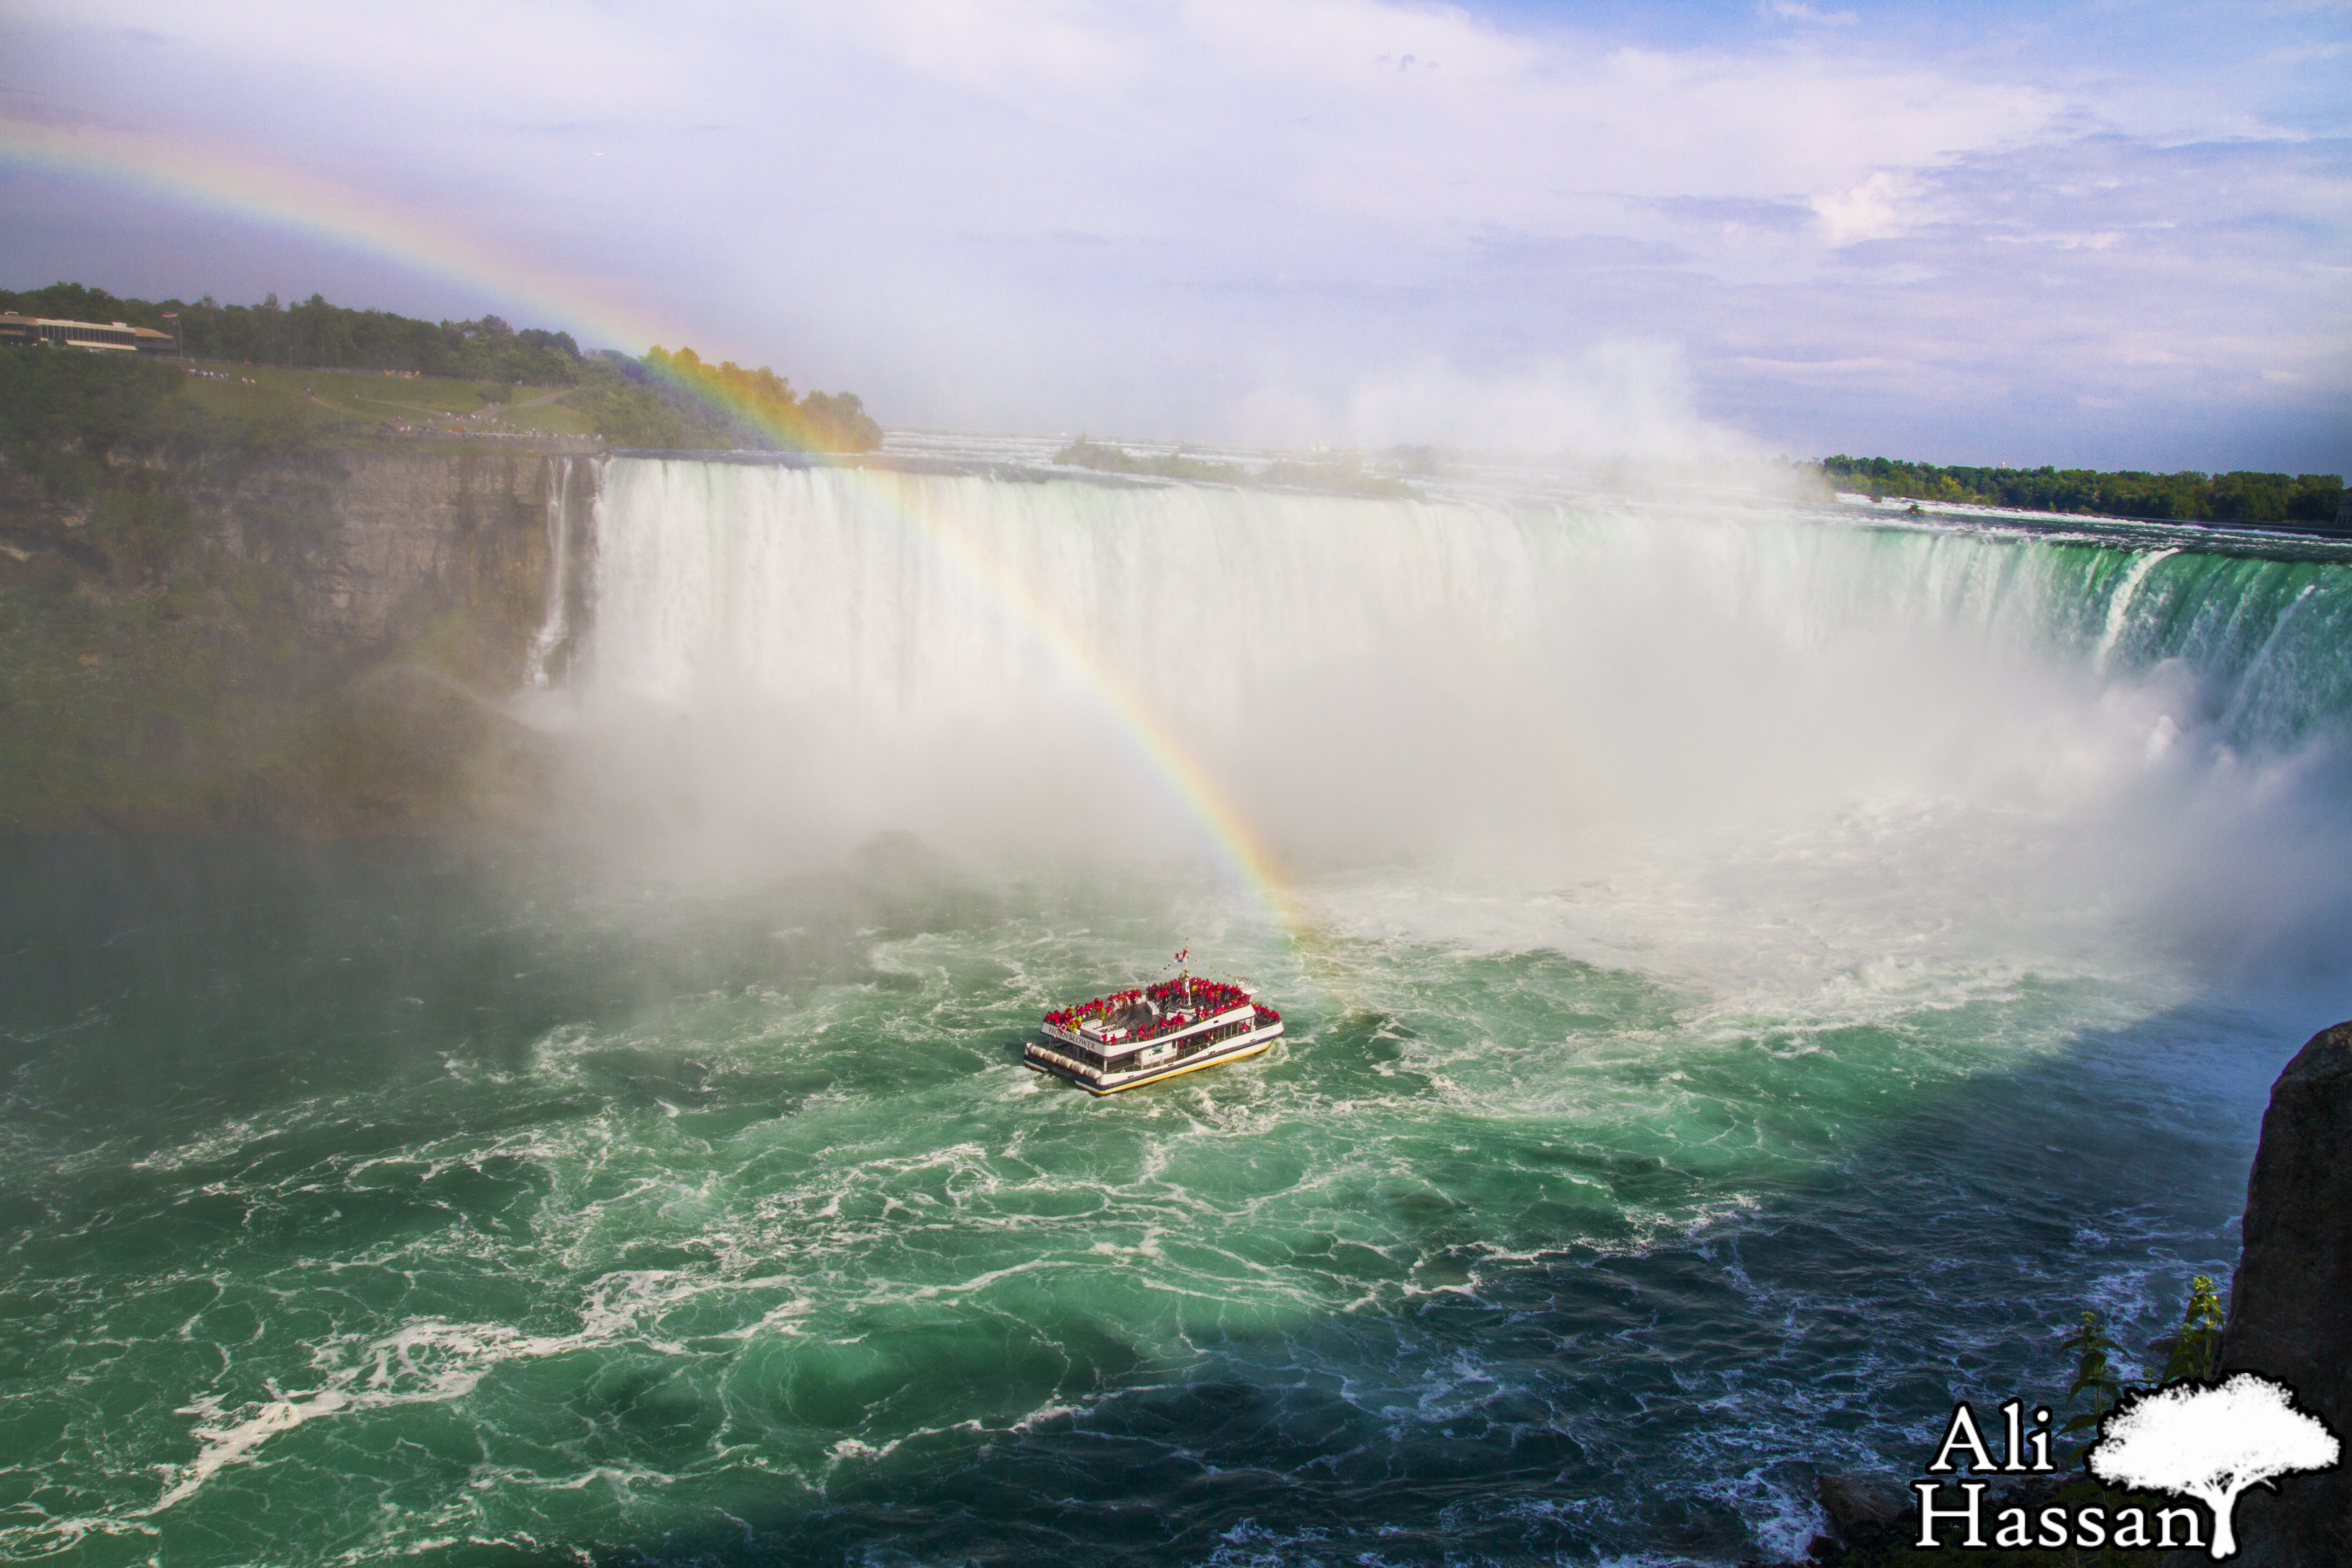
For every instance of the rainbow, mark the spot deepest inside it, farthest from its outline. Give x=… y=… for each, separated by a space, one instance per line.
x=1176 y=765
x=248 y=190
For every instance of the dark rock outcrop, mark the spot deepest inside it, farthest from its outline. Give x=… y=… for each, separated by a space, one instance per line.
x=1868 y=1513
x=2290 y=1305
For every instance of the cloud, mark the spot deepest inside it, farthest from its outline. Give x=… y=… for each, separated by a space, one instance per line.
x=1791 y=11
x=1056 y=213
x=1806 y=368
x=1878 y=206
x=1620 y=399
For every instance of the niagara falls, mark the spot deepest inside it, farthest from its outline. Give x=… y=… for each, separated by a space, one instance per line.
x=1355 y=784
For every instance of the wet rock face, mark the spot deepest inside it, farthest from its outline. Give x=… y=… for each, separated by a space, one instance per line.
x=379 y=543
x=2291 y=1304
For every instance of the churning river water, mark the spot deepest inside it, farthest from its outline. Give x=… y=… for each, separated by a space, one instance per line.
x=1754 y=972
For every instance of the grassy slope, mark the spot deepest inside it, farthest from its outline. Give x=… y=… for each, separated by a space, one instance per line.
x=335 y=405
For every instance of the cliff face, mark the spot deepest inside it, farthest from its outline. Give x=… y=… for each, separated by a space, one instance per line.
x=2290 y=1305
x=400 y=536
x=314 y=643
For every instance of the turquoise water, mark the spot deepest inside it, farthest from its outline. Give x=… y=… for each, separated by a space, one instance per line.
x=369 y=1205
x=1848 y=981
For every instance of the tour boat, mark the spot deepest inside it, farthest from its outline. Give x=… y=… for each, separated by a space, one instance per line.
x=1133 y=1037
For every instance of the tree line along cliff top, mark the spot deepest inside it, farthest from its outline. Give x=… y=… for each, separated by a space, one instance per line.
x=479 y=377
x=2244 y=499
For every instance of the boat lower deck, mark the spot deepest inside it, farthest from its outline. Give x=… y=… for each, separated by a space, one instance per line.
x=1043 y=1057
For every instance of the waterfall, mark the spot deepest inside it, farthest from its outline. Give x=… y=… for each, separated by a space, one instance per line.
x=2119 y=604
x=571 y=487
x=1049 y=662
x=868 y=592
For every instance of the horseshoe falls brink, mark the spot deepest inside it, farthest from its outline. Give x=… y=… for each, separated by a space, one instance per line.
x=1754 y=972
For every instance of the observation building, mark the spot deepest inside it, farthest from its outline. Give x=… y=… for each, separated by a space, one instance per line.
x=110 y=336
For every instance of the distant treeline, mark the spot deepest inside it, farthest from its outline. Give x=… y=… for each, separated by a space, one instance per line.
x=315 y=334
x=633 y=405
x=2249 y=499
x=1345 y=475
x=1083 y=452
x=677 y=400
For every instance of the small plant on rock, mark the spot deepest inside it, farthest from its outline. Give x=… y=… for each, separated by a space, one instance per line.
x=2196 y=1349
x=2096 y=1377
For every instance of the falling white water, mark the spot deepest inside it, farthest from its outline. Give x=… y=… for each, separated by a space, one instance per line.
x=1919 y=724
x=2119 y=605
x=564 y=475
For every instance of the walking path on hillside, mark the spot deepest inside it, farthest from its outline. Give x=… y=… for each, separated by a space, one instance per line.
x=444 y=412
x=507 y=434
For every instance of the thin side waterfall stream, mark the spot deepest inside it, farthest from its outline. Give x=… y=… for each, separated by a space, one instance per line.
x=1752 y=976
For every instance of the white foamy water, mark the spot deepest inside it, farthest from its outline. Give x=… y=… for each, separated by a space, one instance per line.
x=1754 y=735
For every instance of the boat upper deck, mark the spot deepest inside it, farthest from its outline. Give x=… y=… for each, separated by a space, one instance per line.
x=1150 y=1013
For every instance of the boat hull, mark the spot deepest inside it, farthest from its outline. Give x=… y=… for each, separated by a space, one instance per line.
x=1039 y=1057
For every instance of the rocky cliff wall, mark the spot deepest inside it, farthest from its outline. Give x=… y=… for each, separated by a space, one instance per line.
x=391 y=538
x=2291 y=1304
x=316 y=642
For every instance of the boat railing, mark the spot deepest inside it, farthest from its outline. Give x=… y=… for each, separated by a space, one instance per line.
x=1166 y=1028
x=1203 y=996
x=1077 y=1031
x=1082 y=1059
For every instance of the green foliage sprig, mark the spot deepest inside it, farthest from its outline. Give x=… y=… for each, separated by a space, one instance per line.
x=2196 y=1349
x=2194 y=1352
x=2096 y=1376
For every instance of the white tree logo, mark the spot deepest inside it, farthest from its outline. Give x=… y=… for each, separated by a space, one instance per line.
x=2212 y=1441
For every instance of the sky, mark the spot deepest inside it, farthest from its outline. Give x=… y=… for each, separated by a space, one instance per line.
x=2110 y=235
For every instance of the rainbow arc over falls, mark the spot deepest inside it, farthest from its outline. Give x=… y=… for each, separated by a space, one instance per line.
x=1178 y=764
x=249 y=190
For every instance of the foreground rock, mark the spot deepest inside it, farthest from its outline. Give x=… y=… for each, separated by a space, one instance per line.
x=1869 y=1513
x=2291 y=1304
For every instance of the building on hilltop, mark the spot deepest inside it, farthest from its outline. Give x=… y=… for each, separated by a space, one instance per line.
x=114 y=337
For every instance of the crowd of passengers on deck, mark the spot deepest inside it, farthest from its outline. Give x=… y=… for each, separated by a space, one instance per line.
x=1202 y=996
